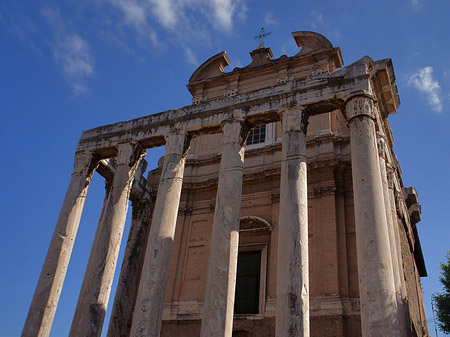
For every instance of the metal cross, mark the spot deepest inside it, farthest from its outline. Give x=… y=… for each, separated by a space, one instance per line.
x=261 y=36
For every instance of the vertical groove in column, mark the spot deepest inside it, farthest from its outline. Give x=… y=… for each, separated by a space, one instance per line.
x=152 y=287
x=46 y=296
x=97 y=282
x=292 y=317
x=376 y=283
x=217 y=316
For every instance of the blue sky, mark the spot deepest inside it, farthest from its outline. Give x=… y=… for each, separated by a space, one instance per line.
x=71 y=65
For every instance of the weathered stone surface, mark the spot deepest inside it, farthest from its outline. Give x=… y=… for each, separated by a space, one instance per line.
x=376 y=283
x=97 y=282
x=130 y=273
x=329 y=220
x=217 y=316
x=152 y=286
x=293 y=268
x=46 y=296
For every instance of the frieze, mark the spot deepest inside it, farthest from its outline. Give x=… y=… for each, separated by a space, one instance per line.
x=317 y=94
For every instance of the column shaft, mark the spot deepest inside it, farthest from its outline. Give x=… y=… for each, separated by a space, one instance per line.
x=376 y=283
x=46 y=296
x=392 y=240
x=401 y=301
x=152 y=288
x=292 y=317
x=130 y=273
x=97 y=282
x=217 y=317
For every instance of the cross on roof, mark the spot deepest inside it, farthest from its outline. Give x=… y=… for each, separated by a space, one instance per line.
x=261 y=36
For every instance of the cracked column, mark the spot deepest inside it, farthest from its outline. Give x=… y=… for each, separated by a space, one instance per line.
x=292 y=318
x=152 y=287
x=376 y=283
x=46 y=296
x=217 y=317
x=97 y=282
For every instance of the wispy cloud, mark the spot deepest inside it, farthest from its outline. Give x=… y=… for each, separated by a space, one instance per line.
x=319 y=24
x=183 y=21
x=70 y=51
x=269 y=19
x=22 y=27
x=423 y=81
x=416 y=4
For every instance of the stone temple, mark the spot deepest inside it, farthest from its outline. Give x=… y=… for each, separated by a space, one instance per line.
x=314 y=234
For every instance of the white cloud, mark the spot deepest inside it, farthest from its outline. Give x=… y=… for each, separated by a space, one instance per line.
x=423 y=81
x=182 y=22
x=70 y=51
x=190 y=56
x=165 y=12
x=223 y=14
x=269 y=20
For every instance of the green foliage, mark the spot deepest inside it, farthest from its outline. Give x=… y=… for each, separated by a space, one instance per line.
x=442 y=300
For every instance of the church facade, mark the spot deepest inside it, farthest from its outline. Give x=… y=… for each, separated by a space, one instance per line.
x=277 y=210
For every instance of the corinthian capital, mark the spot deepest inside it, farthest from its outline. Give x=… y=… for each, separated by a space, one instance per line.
x=85 y=163
x=177 y=143
x=359 y=106
x=234 y=130
x=129 y=153
x=294 y=118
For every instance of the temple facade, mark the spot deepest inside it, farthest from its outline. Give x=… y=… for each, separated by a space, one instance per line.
x=277 y=210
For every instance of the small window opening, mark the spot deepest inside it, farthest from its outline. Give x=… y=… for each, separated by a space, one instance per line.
x=257 y=135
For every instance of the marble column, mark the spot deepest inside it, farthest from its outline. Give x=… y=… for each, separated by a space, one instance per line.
x=130 y=273
x=46 y=296
x=292 y=318
x=97 y=282
x=152 y=287
x=391 y=232
x=217 y=316
x=376 y=283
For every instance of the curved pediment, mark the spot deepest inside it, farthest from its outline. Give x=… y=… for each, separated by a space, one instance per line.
x=311 y=42
x=212 y=67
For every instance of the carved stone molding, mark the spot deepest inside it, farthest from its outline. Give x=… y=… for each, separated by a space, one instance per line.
x=381 y=142
x=359 y=106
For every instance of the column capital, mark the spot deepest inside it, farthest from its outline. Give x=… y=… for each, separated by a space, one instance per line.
x=235 y=130
x=177 y=142
x=129 y=153
x=360 y=106
x=293 y=118
x=85 y=162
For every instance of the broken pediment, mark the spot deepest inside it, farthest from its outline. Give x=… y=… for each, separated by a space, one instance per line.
x=212 y=67
x=317 y=56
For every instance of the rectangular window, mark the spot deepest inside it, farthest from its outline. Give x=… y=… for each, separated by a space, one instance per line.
x=257 y=135
x=247 y=283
